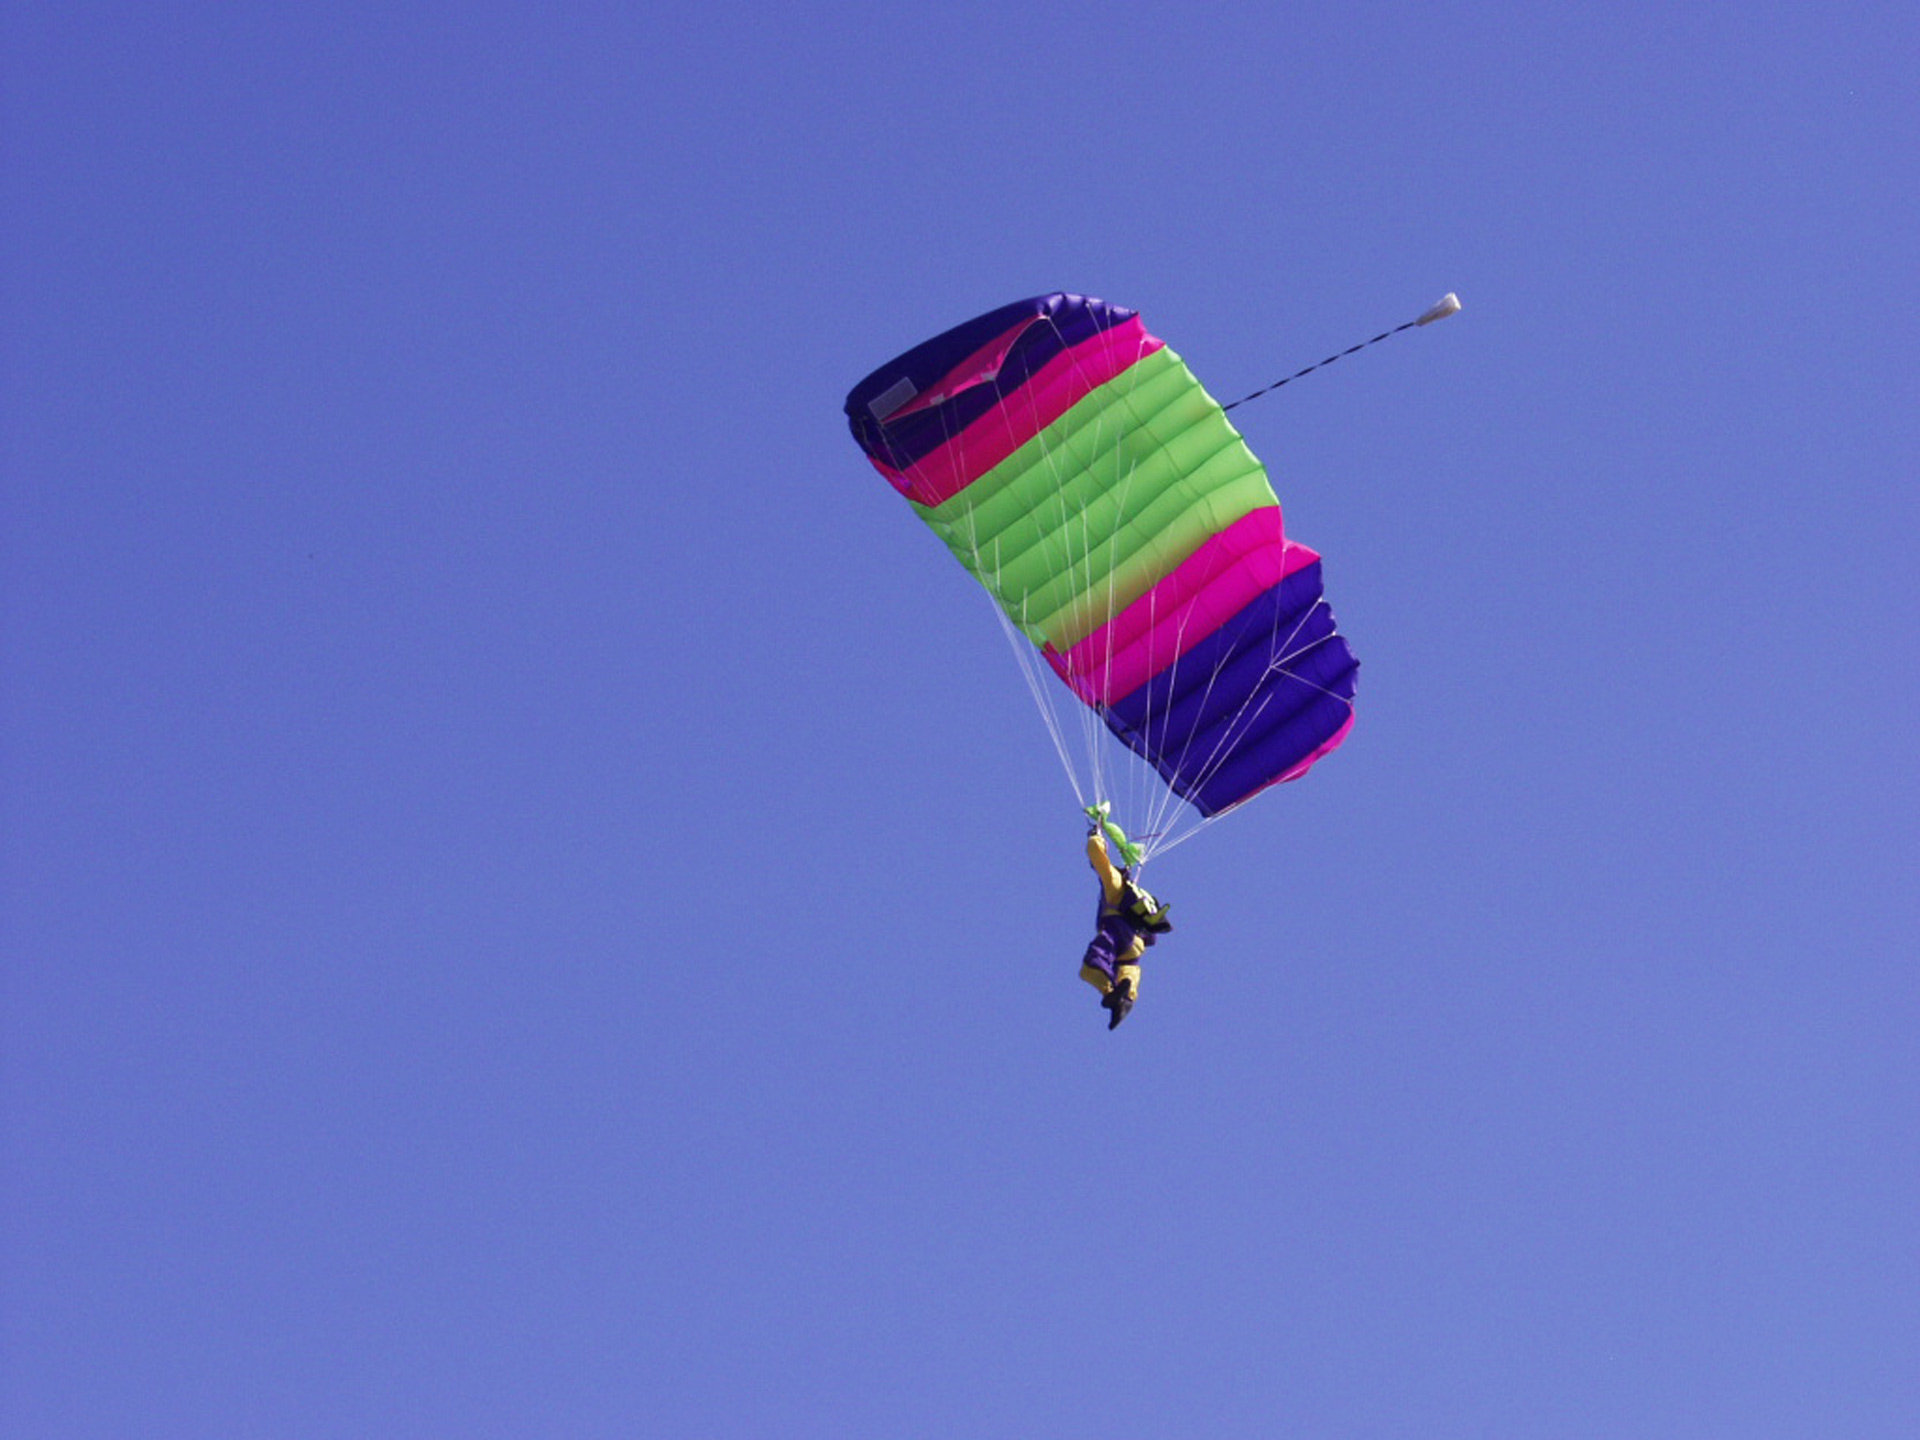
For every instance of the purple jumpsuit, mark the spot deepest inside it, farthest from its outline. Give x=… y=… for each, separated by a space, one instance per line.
x=1116 y=942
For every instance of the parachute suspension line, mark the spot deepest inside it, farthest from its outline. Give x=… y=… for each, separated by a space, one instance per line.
x=1057 y=522
x=1151 y=801
x=1097 y=739
x=1082 y=553
x=1130 y=783
x=1085 y=552
x=977 y=554
x=1240 y=721
x=1279 y=655
x=1022 y=647
x=1170 y=799
x=1033 y=668
x=1448 y=304
x=1071 y=541
x=1036 y=686
x=1150 y=797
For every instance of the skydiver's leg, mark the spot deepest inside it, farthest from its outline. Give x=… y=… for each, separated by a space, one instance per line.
x=1119 y=1001
x=1097 y=966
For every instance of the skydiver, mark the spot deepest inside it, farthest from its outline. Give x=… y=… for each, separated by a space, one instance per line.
x=1129 y=921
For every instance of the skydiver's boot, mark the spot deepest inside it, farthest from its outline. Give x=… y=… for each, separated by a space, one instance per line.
x=1118 y=1002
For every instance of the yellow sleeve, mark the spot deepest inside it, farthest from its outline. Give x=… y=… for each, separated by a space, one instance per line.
x=1111 y=888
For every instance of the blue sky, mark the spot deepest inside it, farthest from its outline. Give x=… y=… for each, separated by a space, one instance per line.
x=536 y=903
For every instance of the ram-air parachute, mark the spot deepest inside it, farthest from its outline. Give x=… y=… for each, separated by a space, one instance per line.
x=1073 y=464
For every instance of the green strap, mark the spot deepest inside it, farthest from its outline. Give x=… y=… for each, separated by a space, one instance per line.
x=1100 y=814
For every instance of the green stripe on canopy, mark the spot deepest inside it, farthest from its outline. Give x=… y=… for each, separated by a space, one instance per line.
x=1082 y=520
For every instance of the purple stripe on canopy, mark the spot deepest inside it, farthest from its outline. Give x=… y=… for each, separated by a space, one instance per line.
x=1251 y=704
x=1068 y=320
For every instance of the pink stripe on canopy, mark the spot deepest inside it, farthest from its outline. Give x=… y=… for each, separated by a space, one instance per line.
x=1052 y=390
x=1184 y=607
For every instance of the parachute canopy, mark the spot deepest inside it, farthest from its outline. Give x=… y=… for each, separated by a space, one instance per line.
x=1073 y=464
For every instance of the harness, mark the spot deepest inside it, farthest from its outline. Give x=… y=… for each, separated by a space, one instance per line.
x=1140 y=910
x=1146 y=913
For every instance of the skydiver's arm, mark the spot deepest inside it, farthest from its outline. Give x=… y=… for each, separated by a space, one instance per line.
x=1110 y=883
